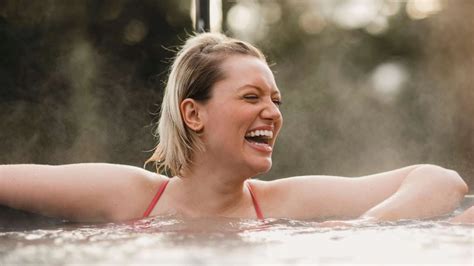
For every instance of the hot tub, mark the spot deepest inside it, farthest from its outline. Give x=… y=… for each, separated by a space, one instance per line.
x=169 y=241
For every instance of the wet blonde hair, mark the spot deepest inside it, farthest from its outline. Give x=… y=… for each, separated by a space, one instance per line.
x=194 y=71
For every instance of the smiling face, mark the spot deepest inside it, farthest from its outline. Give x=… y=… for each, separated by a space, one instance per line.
x=241 y=120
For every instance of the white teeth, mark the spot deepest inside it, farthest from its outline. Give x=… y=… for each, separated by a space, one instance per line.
x=264 y=133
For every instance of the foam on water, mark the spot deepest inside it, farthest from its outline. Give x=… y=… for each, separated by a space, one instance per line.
x=240 y=241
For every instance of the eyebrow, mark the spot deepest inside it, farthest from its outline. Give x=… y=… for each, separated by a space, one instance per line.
x=273 y=91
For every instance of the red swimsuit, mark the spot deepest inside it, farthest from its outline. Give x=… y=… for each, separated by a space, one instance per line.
x=162 y=189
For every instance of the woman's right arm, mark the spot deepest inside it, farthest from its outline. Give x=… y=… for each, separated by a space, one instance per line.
x=90 y=192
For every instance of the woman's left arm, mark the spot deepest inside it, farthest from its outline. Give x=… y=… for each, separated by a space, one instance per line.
x=413 y=192
x=426 y=191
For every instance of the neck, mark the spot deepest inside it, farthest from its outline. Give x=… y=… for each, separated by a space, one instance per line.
x=207 y=189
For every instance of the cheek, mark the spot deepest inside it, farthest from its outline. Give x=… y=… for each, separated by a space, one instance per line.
x=229 y=121
x=233 y=117
x=223 y=126
x=280 y=125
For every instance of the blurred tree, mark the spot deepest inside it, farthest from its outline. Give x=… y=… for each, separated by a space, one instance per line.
x=79 y=78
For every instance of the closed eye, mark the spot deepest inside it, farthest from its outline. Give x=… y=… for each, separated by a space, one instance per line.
x=251 y=97
x=255 y=97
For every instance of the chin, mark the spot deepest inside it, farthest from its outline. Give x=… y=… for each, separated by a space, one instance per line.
x=262 y=167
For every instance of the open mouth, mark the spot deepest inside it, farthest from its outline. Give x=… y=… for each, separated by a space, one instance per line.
x=260 y=137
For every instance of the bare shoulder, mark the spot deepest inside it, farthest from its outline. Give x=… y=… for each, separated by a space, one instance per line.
x=322 y=196
x=114 y=175
x=141 y=186
x=79 y=192
x=130 y=188
x=147 y=183
x=299 y=197
x=144 y=177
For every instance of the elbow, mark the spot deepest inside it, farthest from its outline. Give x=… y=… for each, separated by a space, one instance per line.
x=447 y=178
x=457 y=181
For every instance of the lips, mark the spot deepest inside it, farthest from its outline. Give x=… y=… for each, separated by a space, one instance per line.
x=263 y=147
x=260 y=138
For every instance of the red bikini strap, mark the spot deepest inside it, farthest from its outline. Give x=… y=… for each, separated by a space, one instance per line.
x=255 y=203
x=156 y=198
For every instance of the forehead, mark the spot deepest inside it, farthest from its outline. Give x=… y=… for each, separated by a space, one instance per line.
x=242 y=70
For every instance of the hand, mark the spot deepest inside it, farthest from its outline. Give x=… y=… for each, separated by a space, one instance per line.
x=467 y=217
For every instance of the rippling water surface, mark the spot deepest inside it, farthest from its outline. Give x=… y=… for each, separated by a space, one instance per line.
x=237 y=241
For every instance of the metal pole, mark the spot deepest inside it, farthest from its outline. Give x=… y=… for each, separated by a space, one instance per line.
x=202 y=16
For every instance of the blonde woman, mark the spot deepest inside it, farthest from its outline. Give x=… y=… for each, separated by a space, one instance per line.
x=219 y=123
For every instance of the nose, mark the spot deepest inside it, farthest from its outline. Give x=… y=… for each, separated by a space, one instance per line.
x=271 y=111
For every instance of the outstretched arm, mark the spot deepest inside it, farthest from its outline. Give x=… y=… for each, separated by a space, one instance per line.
x=78 y=192
x=426 y=191
x=418 y=191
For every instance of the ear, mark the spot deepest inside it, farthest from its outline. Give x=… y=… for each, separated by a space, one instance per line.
x=190 y=111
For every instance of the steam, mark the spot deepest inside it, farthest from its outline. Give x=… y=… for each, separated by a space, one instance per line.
x=389 y=88
x=81 y=66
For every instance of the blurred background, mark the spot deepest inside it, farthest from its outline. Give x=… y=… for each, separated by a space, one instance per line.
x=368 y=85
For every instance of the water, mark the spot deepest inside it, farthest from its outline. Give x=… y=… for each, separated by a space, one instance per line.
x=171 y=241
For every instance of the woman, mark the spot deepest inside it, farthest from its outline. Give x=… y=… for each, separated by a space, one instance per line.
x=218 y=126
